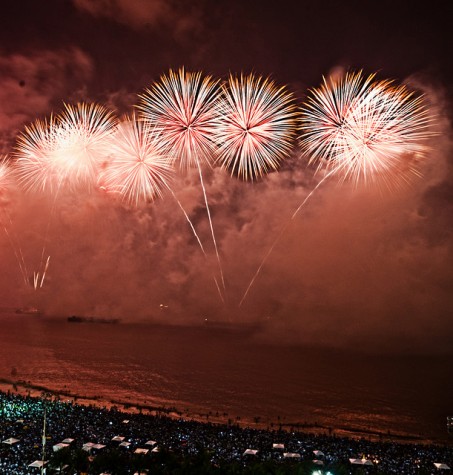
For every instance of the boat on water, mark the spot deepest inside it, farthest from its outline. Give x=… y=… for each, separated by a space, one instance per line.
x=79 y=319
x=28 y=311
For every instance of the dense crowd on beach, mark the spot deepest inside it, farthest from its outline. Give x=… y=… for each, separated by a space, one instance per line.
x=139 y=440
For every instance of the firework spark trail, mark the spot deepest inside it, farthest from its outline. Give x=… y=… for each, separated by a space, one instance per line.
x=189 y=221
x=280 y=234
x=22 y=263
x=362 y=129
x=197 y=238
x=20 y=260
x=17 y=251
x=44 y=273
x=65 y=149
x=211 y=226
x=5 y=174
x=34 y=166
x=257 y=122
x=183 y=110
x=137 y=167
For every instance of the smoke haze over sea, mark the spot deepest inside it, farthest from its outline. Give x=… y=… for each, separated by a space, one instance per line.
x=198 y=370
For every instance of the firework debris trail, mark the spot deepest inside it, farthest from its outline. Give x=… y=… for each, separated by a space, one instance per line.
x=280 y=234
x=138 y=168
x=15 y=246
x=64 y=150
x=13 y=240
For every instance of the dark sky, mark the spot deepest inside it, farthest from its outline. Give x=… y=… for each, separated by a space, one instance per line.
x=356 y=265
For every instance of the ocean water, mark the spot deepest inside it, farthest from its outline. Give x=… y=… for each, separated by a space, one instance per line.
x=200 y=371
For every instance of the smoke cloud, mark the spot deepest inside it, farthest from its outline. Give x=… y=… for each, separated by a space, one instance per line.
x=357 y=267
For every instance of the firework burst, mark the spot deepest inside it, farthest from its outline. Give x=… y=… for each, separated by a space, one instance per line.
x=181 y=108
x=5 y=173
x=33 y=150
x=256 y=127
x=365 y=129
x=137 y=168
x=66 y=149
x=81 y=140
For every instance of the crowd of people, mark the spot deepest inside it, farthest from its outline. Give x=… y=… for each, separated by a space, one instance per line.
x=108 y=429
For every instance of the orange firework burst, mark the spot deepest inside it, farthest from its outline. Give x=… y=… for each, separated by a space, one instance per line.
x=364 y=128
x=256 y=126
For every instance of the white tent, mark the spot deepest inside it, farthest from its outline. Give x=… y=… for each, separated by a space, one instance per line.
x=68 y=441
x=10 y=441
x=63 y=468
x=88 y=446
x=441 y=466
x=141 y=451
x=126 y=421
x=98 y=446
x=59 y=446
x=151 y=442
x=125 y=444
x=250 y=452
x=318 y=462
x=156 y=449
x=118 y=438
x=278 y=446
x=360 y=462
x=318 y=453
x=38 y=463
x=291 y=455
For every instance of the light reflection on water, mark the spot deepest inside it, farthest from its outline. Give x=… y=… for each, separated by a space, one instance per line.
x=197 y=370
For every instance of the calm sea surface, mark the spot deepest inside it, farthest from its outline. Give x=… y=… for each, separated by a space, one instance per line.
x=200 y=370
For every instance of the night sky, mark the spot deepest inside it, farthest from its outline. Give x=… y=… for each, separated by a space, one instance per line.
x=359 y=264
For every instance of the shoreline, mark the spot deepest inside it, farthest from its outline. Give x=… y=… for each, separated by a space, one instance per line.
x=25 y=388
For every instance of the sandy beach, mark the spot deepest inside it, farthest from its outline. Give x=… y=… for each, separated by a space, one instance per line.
x=24 y=388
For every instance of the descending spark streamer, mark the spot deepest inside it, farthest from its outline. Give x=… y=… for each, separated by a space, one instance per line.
x=256 y=126
x=366 y=129
x=5 y=182
x=67 y=149
x=280 y=234
x=136 y=167
x=361 y=129
x=183 y=110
